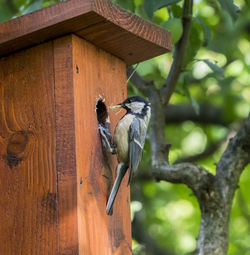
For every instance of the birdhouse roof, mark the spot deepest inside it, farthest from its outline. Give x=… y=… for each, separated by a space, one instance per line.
x=100 y=22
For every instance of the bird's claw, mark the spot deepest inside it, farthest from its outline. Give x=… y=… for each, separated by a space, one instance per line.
x=106 y=138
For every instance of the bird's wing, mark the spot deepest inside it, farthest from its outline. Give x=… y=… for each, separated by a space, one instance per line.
x=135 y=147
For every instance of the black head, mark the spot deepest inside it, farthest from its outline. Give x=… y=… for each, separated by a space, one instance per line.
x=136 y=105
x=134 y=99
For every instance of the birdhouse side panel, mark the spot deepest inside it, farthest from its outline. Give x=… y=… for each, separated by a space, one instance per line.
x=98 y=75
x=28 y=177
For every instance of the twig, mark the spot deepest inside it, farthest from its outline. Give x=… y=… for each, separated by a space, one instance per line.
x=141 y=84
x=179 y=53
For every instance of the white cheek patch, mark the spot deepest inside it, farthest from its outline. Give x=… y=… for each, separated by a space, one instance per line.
x=136 y=107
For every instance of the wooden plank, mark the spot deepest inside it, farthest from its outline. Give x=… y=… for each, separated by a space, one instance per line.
x=28 y=180
x=120 y=29
x=142 y=39
x=121 y=43
x=98 y=74
x=65 y=146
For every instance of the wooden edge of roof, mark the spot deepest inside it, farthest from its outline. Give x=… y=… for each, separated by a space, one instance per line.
x=101 y=22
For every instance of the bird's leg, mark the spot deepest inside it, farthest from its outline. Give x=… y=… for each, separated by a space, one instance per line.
x=106 y=137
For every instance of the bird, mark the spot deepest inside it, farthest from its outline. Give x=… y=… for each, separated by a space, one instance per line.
x=128 y=140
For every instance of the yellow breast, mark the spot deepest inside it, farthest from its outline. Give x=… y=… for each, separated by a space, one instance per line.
x=121 y=137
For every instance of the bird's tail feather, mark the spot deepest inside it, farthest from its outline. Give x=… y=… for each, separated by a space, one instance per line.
x=121 y=170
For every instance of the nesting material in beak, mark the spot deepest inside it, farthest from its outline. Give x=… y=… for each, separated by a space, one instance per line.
x=113 y=107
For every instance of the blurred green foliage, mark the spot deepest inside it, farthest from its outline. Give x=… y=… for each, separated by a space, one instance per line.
x=216 y=72
x=14 y=8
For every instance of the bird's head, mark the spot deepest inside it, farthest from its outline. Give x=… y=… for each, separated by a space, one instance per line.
x=135 y=105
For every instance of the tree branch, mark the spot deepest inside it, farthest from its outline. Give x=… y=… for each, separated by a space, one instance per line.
x=216 y=205
x=179 y=53
x=229 y=168
x=182 y=112
x=233 y=162
x=195 y=177
x=214 y=193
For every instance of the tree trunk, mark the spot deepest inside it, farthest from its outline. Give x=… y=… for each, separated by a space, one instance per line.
x=213 y=233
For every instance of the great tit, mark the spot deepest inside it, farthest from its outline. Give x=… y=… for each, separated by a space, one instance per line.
x=128 y=141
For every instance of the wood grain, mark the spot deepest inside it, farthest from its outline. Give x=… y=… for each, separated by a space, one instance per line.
x=28 y=181
x=99 y=21
x=54 y=177
x=123 y=30
x=65 y=146
x=98 y=74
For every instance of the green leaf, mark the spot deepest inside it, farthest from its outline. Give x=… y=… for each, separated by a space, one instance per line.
x=175 y=27
x=194 y=43
x=151 y=6
x=46 y=4
x=230 y=7
x=176 y=10
x=128 y=4
x=5 y=13
x=218 y=70
x=206 y=31
x=33 y=7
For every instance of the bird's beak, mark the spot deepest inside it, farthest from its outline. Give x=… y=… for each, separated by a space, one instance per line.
x=113 y=107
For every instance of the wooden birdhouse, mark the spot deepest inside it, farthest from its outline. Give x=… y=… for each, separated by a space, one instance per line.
x=59 y=67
